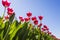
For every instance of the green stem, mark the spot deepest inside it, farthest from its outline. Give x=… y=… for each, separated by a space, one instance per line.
x=4 y=11
x=6 y=33
x=40 y=32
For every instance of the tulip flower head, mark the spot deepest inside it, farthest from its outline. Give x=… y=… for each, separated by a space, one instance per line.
x=49 y=32
x=29 y=14
x=27 y=19
x=6 y=17
x=45 y=26
x=36 y=22
x=34 y=18
x=43 y=29
x=40 y=17
x=10 y=11
x=40 y=25
x=21 y=18
x=5 y=3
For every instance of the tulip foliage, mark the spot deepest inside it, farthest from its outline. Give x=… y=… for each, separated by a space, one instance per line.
x=25 y=29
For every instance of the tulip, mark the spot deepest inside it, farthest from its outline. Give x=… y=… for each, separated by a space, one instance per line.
x=40 y=25
x=45 y=26
x=29 y=14
x=40 y=17
x=49 y=32
x=34 y=18
x=10 y=11
x=43 y=29
x=20 y=17
x=6 y=17
x=27 y=19
x=36 y=22
x=5 y=3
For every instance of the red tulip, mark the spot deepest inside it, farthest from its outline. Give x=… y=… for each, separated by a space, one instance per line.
x=5 y=3
x=20 y=17
x=36 y=22
x=49 y=32
x=6 y=17
x=40 y=25
x=54 y=36
x=43 y=29
x=10 y=11
x=22 y=20
x=47 y=29
x=27 y=19
x=40 y=17
x=34 y=18
x=29 y=14
x=45 y=26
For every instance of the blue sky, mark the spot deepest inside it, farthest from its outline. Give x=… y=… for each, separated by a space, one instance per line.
x=50 y=9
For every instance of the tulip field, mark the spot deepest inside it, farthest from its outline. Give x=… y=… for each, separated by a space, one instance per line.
x=28 y=28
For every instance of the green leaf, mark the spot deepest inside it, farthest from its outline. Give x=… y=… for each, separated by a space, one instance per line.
x=12 y=27
x=1 y=35
x=6 y=30
x=25 y=36
x=11 y=18
x=15 y=31
x=20 y=33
